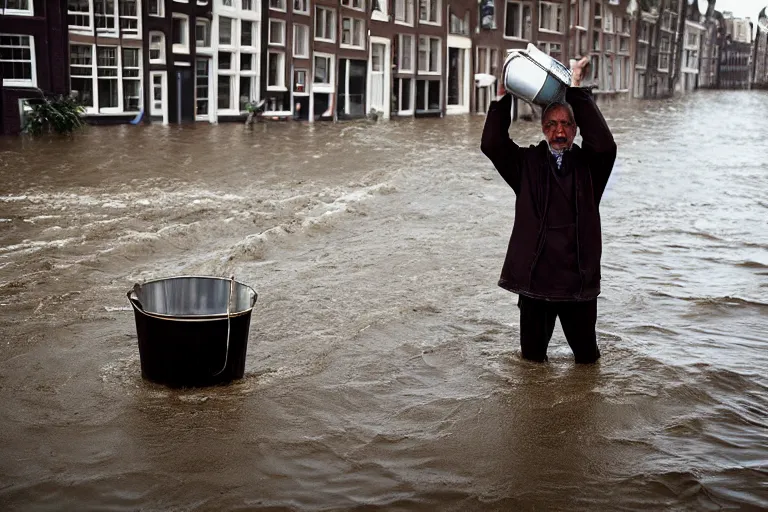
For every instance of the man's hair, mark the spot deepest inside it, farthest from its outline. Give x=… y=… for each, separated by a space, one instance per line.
x=557 y=104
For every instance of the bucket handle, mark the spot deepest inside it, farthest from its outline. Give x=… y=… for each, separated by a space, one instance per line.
x=229 y=316
x=133 y=297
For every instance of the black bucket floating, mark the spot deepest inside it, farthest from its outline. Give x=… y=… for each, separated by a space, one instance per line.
x=192 y=330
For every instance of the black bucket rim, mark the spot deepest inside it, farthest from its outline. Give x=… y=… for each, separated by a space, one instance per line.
x=190 y=318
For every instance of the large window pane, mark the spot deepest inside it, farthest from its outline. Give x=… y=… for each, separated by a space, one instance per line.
x=224 y=100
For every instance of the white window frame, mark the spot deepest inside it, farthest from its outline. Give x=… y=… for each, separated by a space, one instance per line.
x=163 y=111
x=306 y=91
x=233 y=32
x=203 y=22
x=284 y=7
x=254 y=37
x=334 y=27
x=361 y=33
x=138 y=78
x=429 y=55
x=182 y=47
x=380 y=10
x=281 y=23
x=79 y=28
x=29 y=11
x=121 y=17
x=608 y=21
x=348 y=4
x=521 y=28
x=211 y=74
x=426 y=95
x=32 y=81
x=306 y=10
x=400 y=46
x=280 y=86
x=555 y=7
x=73 y=74
x=410 y=111
x=161 y=9
x=437 y=22
x=118 y=78
x=162 y=46
x=114 y=16
x=406 y=8
x=330 y=86
x=305 y=29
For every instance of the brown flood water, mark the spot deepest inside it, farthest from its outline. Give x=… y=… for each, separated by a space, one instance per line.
x=383 y=366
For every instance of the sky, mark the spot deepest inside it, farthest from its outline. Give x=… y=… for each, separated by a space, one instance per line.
x=742 y=8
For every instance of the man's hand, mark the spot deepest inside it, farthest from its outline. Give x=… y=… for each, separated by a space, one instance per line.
x=578 y=71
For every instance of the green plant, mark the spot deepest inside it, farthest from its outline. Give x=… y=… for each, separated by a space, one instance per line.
x=61 y=115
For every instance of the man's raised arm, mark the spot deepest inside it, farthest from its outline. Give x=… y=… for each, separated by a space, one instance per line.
x=496 y=144
x=597 y=138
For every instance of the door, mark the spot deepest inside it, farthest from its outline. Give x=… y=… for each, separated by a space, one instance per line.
x=379 y=67
x=159 y=99
x=458 y=79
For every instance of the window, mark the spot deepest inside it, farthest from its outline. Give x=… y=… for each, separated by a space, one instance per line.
x=276 y=70
x=224 y=97
x=202 y=90
x=352 y=33
x=323 y=70
x=459 y=26
x=624 y=44
x=277 y=5
x=248 y=33
x=301 y=6
x=247 y=62
x=180 y=33
x=379 y=10
x=551 y=17
x=81 y=73
x=608 y=21
x=17 y=60
x=300 y=81
x=644 y=31
x=427 y=95
x=518 y=21
x=248 y=5
x=404 y=11
x=325 y=24
x=405 y=59
x=429 y=11
x=429 y=55
x=156 y=8
x=584 y=13
x=608 y=40
x=301 y=41
x=404 y=96
x=129 y=17
x=104 y=16
x=353 y=4
x=202 y=33
x=156 y=48
x=276 y=33
x=131 y=80
x=225 y=61
x=17 y=7
x=246 y=92
x=642 y=56
x=106 y=61
x=552 y=49
x=79 y=14
x=158 y=79
x=225 y=31
x=596 y=41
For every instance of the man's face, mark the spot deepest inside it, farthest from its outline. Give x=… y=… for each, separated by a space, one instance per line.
x=558 y=128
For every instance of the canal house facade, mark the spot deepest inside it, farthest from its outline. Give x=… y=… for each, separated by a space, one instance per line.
x=33 y=46
x=174 y=61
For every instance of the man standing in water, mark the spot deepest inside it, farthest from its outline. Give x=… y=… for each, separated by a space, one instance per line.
x=553 y=258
